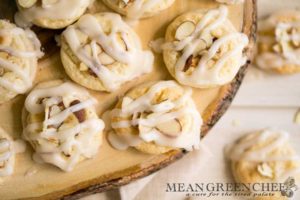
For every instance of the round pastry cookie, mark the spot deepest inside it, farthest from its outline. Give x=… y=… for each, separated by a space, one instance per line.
x=155 y=118
x=7 y=154
x=203 y=49
x=61 y=124
x=278 y=46
x=101 y=52
x=134 y=9
x=19 y=52
x=264 y=157
x=52 y=14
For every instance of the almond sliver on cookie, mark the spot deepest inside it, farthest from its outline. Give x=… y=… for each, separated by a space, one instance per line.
x=185 y=30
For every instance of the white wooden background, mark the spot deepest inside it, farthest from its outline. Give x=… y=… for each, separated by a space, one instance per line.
x=264 y=100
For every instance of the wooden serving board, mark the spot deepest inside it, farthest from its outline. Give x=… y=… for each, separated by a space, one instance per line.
x=112 y=168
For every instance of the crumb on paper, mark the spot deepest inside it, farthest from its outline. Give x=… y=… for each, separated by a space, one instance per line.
x=235 y=123
x=297 y=117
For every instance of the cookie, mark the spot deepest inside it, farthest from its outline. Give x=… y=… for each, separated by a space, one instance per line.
x=264 y=157
x=101 y=52
x=203 y=49
x=61 y=124
x=52 y=14
x=155 y=118
x=19 y=52
x=7 y=154
x=135 y=9
x=278 y=46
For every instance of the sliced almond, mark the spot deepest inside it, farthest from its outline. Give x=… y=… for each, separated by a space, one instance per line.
x=105 y=59
x=83 y=67
x=26 y=3
x=55 y=109
x=122 y=42
x=265 y=170
x=144 y=129
x=80 y=114
x=297 y=117
x=170 y=128
x=184 y=30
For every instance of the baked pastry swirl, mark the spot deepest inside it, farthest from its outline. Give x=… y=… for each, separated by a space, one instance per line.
x=19 y=51
x=203 y=49
x=156 y=118
x=101 y=52
x=52 y=14
x=61 y=124
x=7 y=154
x=278 y=48
x=135 y=9
x=264 y=156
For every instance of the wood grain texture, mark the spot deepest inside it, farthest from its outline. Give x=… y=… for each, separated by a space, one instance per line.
x=134 y=165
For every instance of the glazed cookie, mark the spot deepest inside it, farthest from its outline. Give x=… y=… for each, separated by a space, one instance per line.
x=7 y=154
x=203 y=49
x=156 y=118
x=101 y=52
x=52 y=14
x=61 y=124
x=19 y=52
x=264 y=156
x=278 y=48
x=135 y=9
x=231 y=1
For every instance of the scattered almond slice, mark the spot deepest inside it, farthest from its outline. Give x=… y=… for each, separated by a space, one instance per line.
x=297 y=117
x=265 y=170
x=105 y=59
x=26 y=3
x=171 y=128
x=185 y=30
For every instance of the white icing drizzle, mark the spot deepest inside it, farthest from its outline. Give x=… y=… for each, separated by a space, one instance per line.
x=137 y=61
x=289 y=55
x=240 y=152
x=78 y=141
x=202 y=74
x=7 y=160
x=166 y=111
x=26 y=73
x=60 y=10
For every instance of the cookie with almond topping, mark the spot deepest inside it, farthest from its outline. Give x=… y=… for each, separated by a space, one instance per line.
x=61 y=124
x=278 y=47
x=101 y=52
x=203 y=49
x=155 y=118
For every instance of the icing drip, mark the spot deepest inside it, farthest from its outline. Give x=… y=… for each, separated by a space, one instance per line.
x=277 y=139
x=187 y=136
x=286 y=46
x=60 y=10
x=6 y=157
x=25 y=73
x=203 y=73
x=59 y=140
x=136 y=60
